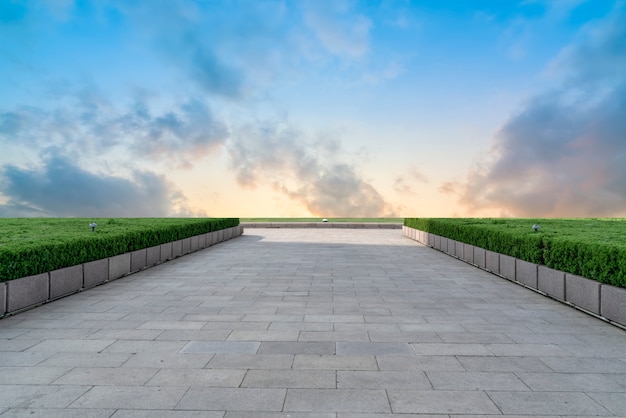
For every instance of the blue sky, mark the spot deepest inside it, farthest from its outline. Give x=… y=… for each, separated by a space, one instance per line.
x=312 y=108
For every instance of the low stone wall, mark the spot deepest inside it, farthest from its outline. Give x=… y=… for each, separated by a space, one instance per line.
x=602 y=300
x=27 y=292
x=344 y=225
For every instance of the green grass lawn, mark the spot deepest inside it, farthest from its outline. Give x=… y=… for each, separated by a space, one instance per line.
x=379 y=220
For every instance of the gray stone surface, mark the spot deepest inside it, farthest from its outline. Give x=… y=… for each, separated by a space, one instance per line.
x=95 y=273
x=526 y=273
x=186 y=244
x=138 y=260
x=328 y=322
x=479 y=257
x=153 y=255
x=583 y=292
x=194 y=243
x=166 y=252
x=65 y=281
x=551 y=282
x=27 y=291
x=612 y=304
x=507 y=266
x=492 y=261
x=119 y=266
x=468 y=253
x=177 y=248
x=3 y=298
x=444 y=244
x=458 y=250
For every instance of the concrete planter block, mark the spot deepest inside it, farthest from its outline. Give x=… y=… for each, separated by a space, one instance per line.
x=507 y=266
x=458 y=250
x=138 y=260
x=612 y=303
x=27 y=291
x=177 y=248
x=3 y=298
x=526 y=273
x=551 y=282
x=451 y=247
x=95 y=273
x=583 y=292
x=480 y=257
x=436 y=241
x=65 y=281
x=202 y=241
x=119 y=266
x=468 y=253
x=220 y=235
x=492 y=261
x=194 y=243
x=443 y=244
x=153 y=255
x=186 y=245
x=166 y=252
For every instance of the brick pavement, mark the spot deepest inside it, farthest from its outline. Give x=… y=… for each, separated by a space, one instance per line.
x=310 y=323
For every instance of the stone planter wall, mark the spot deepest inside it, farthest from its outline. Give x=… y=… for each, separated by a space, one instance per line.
x=28 y=292
x=602 y=300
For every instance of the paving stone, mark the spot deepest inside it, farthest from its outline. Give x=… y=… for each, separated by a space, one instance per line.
x=30 y=375
x=382 y=380
x=469 y=381
x=251 y=361
x=276 y=347
x=105 y=376
x=59 y=413
x=336 y=400
x=74 y=346
x=225 y=347
x=165 y=413
x=441 y=402
x=547 y=403
x=614 y=402
x=571 y=382
x=308 y=379
x=330 y=362
x=362 y=348
x=194 y=377
x=74 y=359
x=39 y=396
x=233 y=399
x=130 y=397
x=502 y=364
x=238 y=414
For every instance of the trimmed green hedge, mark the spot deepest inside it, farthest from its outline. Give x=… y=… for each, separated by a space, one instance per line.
x=34 y=246
x=592 y=248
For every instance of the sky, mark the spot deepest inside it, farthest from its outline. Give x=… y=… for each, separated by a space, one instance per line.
x=313 y=108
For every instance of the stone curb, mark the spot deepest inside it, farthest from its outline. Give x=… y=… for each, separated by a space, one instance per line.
x=598 y=299
x=28 y=292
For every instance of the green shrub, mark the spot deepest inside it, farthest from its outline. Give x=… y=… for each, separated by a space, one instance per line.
x=592 y=248
x=33 y=246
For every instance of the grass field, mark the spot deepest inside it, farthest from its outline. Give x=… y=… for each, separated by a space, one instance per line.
x=379 y=220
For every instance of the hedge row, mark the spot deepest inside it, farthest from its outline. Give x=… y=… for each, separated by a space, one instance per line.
x=592 y=248
x=26 y=257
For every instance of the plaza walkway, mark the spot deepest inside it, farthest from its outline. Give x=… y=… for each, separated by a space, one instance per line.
x=310 y=323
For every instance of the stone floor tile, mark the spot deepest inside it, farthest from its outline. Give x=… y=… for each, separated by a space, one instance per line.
x=168 y=360
x=306 y=379
x=419 y=363
x=240 y=414
x=239 y=335
x=23 y=358
x=441 y=402
x=74 y=346
x=300 y=347
x=614 y=402
x=251 y=361
x=197 y=377
x=356 y=336
x=570 y=382
x=222 y=347
x=437 y=349
x=363 y=348
x=484 y=381
x=547 y=403
x=58 y=413
x=30 y=375
x=165 y=413
x=333 y=362
x=130 y=397
x=105 y=376
x=336 y=400
x=502 y=364
x=382 y=380
x=86 y=360
x=39 y=396
x=233 y=399
x=125 y=346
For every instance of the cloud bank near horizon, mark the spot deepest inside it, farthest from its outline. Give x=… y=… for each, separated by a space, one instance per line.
x=564 y=153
